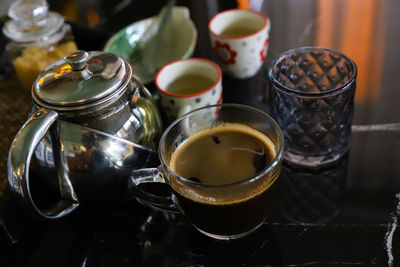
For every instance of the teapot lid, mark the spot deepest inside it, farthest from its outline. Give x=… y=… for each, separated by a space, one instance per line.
x=31 y=21
x=80 y=80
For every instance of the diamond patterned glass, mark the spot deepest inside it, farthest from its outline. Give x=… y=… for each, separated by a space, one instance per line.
x=312 y=100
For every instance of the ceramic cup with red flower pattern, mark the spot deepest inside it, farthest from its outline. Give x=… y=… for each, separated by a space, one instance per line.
x=239 y=38
x=187 y=84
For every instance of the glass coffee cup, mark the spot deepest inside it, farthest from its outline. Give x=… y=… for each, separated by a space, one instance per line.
x=221 y=162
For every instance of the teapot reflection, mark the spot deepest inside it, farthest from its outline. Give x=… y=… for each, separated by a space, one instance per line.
x=312 y=195
x=92 y=168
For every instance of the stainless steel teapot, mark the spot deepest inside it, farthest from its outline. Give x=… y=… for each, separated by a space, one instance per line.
x=92 y=123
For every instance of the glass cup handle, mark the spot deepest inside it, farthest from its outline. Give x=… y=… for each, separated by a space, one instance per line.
x=154 y=201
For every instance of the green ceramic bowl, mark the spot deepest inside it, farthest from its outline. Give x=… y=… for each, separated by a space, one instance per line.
x=177 y=42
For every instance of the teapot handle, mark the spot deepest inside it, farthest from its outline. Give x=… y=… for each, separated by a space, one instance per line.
x=18 y=164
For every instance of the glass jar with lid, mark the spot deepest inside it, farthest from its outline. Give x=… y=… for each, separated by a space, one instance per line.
x=38 y=37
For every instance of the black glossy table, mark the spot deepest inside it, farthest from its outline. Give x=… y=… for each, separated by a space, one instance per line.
x=346 y=214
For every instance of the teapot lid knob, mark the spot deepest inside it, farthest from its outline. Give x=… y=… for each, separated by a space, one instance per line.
x=77 y=59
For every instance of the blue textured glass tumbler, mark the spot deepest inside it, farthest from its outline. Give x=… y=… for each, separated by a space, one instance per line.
x=312 y=99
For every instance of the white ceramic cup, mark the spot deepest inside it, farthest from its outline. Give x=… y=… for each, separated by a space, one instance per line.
x=239 y=39
x=175 y=104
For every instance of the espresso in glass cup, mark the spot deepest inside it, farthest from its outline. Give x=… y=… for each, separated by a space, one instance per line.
x=221 y=162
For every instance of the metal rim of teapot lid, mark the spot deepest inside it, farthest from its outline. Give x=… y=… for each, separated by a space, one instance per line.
x=81 y=80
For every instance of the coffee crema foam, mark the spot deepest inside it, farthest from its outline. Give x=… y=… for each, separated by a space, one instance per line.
x=223 y=193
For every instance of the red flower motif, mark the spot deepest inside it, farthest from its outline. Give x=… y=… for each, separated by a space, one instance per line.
x=224 y=53
x=219 y=102
x=220 y=99
x=263 y=53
